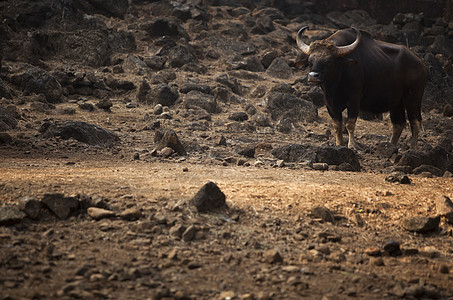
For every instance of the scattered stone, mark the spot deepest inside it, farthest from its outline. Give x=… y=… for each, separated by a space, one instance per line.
x=31 y=207
x=209 y=198
x=272 y=256
x=398 y=177
x=189 y=234
x=444 y=208
x=322 y=212
x=86 y=106
x=378 y=261
x=177 y=230
x=238 y=116
x=247 y=151
x=100 y=213
x=169 y=138
x=221 y=141
x=104 y=104
x=386 y=149
x=158 y=109
x=61 y=205
x=320 y=166
x=10 y=215
x=392 y=248
x=279 y=69
x=443 y=269
x=166 y=152
x=448 y=111
x=429 y=251
x=280 y=163
x=131 y=214
x=421 y=224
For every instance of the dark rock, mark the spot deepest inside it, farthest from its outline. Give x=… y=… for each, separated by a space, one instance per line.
x=386 y=149
x=392 y=248
x=86 y=106
x=338 y=156
x=195 y=99
x=421 y=224
x=61 y=205
x=4 y=90
x=105 y=104
x=230 y=82
x=5 y=138
x=181 y=55
x=10 y=215
x=398 y=177
x=36 y=80
x=437 y=157
x=287 y=106
x=355 y=18
x=246 y=151
x=120 y=84
x=160 y=27
x=170 y=139
x=110 y=8
x=428 y=169
x=322 y=212
x=279 y=69
x=155 y=62
x=238 y=116
x=209 y=198
x=31 y=207
x=295 y=153
x=189 y=234
x=448 y=111
x=160 y=94
x=187 y=87
x=83 y=132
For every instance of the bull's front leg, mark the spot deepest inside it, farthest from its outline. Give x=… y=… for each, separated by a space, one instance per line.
x=350 y=127
x=338 y=126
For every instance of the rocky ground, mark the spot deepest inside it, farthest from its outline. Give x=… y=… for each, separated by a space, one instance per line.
x=174 y=150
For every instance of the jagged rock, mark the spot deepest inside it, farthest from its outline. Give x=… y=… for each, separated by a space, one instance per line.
x=437 y=157
x=429 y=170
x=195 y=99
x=444 y=208
x=325 y=214
x=111 y=8
x=421 y=224
x=279 y=69
x=36 y=80
x=338 y=156
x=5 y=138
x=7 y=120
x=209 y=198
x=287 y=106
x=83 y=132
x=272 y=256
x=104 y=104
x=398 y=177
x=187 y=87
x=31 y=207
x=392 y=248
x=10 y=215
x=238 y=116
x=386 y=149
x=170 y=139
x=61 y=205
x=4 y=91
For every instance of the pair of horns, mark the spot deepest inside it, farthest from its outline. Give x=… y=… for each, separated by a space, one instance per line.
x=341 y=50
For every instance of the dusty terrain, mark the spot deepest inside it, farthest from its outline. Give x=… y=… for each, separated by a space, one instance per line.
x=271 y=242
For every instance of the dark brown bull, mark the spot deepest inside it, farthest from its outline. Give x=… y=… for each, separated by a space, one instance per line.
x=359 y=73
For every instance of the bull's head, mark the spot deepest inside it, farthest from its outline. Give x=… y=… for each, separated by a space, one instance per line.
x=325 y=58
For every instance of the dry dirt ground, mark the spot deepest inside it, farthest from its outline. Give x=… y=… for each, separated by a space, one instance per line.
x=234 y=254
x=267 y=245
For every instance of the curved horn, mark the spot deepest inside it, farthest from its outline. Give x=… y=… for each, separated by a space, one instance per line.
x=302 y=46
x=345 y=50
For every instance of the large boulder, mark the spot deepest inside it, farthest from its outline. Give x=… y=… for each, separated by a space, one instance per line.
x=87 y=133
x=288 y=106
x=36 y=80
x=437 y=157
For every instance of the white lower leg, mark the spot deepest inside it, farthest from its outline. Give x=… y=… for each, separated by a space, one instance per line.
x=338 y=132
x=350 y=126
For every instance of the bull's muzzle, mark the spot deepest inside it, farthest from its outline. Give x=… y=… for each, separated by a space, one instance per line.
x=314 y=77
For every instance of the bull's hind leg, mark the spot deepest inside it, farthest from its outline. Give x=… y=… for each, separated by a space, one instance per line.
x=350 y=126
x=415 y=128
x=413 y=101
x=399 y=122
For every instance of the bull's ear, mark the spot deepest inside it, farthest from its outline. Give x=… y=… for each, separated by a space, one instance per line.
x=347 y=61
